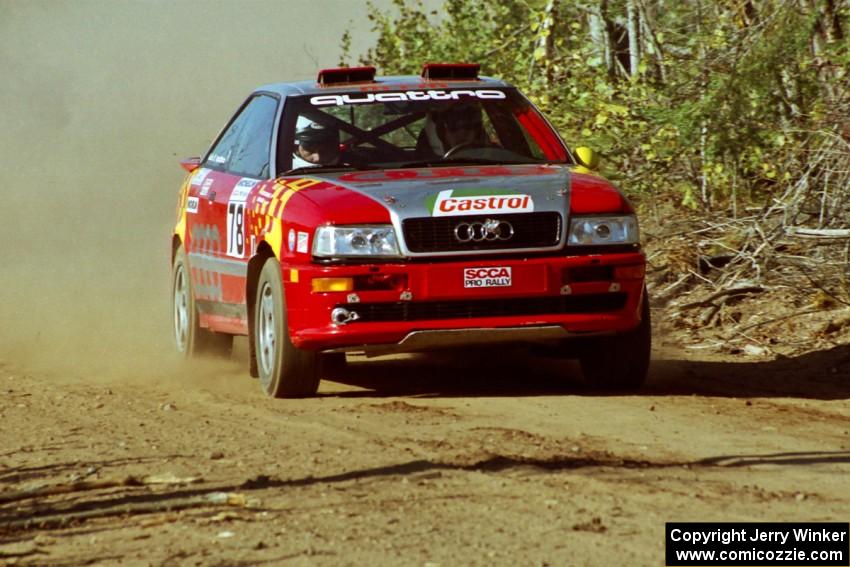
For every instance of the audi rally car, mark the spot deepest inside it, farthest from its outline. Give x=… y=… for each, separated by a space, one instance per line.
x=400 y=214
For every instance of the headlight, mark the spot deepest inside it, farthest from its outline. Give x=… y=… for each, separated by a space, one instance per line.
x=603 y=230
x=358 y=241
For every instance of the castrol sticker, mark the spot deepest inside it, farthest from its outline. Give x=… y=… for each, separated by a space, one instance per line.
x=453 y=204
x=486 y=277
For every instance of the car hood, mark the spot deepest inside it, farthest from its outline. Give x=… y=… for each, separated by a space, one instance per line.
x=462 y=191
x=412 y=193
x=479 y=191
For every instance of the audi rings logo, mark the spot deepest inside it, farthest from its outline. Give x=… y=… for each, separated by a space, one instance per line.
x=482 y=231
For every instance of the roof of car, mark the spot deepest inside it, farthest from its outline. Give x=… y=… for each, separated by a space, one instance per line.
x=401 y=82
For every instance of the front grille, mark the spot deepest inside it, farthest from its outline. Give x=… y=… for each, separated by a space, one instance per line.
x=437 y=310
x=531 y=230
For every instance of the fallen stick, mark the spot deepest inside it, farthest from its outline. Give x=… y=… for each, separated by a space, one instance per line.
x=777 y=319
x=723 y=293
x=86 y=485
x=64 y=519
x=663 y=296
x=818 y=232
x=57 y=518
x=67 y=488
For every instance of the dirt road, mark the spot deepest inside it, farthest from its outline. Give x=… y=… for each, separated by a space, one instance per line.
x=496 y=459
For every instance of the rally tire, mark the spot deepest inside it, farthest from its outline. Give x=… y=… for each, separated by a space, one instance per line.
x=620 y=362
x=284 y=371
x=190 y=338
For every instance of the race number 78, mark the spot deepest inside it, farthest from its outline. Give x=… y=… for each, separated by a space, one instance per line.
x=235 y=229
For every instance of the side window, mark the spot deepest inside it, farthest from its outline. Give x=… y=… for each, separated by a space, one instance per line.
x=244 y=147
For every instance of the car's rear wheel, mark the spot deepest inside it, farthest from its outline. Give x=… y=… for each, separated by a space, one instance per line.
x=190 y=338
x=620 y=362
x=284 y=371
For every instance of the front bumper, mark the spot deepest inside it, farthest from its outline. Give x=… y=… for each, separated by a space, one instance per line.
x=435 y=309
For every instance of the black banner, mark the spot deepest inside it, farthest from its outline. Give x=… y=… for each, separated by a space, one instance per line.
x=813 y=544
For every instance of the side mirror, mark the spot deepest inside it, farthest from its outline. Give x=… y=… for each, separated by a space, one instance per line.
x=587 y=157
x=190 y=164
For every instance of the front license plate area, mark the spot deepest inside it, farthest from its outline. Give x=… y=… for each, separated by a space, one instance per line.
x=463 y=281
x=478 y=277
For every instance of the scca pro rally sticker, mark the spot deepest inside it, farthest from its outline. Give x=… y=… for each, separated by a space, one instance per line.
x=454 y=203
x=486 y=277
x=192 y=205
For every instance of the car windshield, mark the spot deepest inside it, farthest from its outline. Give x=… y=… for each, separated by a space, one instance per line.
x=417 y=128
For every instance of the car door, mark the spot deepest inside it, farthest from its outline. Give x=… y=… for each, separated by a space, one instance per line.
x=219 y=250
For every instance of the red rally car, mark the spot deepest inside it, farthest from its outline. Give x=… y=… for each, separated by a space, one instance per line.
x=400 y=214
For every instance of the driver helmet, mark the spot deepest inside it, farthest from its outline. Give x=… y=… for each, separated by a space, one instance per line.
x=458 y=124
x=317 y=140
x=316 y=134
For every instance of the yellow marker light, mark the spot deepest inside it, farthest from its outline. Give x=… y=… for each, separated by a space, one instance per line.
x=323 y=285
x=293 y=276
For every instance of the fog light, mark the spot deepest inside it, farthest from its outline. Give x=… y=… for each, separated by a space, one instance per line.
x=588 y=274
x=323 y=285
x=341 y=316
x=380 y=282
x=630 y=272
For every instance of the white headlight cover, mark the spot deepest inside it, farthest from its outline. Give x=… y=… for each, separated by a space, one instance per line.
x=603 y=230
x=356 y=241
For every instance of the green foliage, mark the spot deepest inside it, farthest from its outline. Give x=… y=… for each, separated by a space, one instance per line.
x=723 y=102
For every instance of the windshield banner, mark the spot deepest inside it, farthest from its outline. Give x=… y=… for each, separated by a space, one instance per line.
x=343 y=99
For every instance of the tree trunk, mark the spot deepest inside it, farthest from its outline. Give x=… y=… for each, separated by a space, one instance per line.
x=600 y=37
x=834 y=30
x=632 y=25
x=652 y=43
x=705 y=189
x=544 y=42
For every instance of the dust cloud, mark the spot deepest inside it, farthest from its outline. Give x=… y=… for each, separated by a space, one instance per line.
x=99 y=101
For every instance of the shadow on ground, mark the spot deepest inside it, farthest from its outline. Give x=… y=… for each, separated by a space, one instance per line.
x=822 y=375
x=819 y=375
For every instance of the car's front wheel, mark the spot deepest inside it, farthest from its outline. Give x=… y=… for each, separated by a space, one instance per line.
x=620 y=362
x=190 y=338
x=284 y=371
